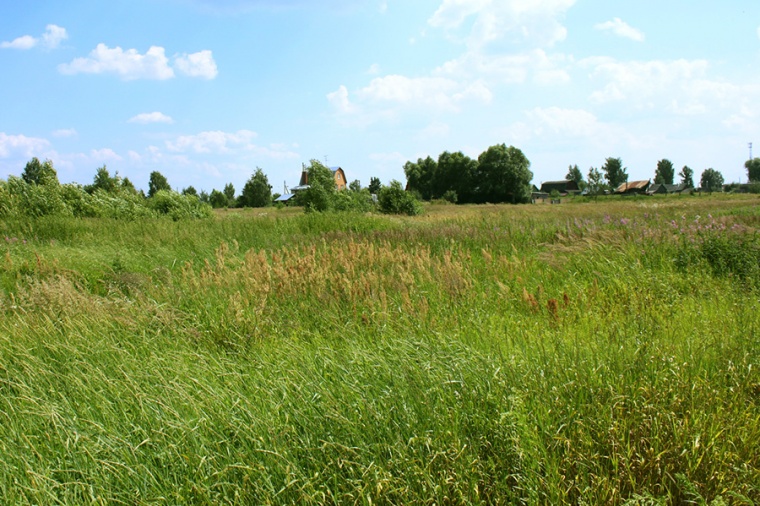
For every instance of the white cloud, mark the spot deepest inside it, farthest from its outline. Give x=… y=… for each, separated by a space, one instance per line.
x=151 y=117
x=200 y=64
x=21 y=145
x=534 y=20
x=644 y=82
x=213 y=142
x=53 y=36
x=105 y=155
x=621 y=29
x=565 y=122
x=23 y=42
x=129 y=65
x=510 y=69
x=51 y=39
x=373 y=69
x=65 y=132
x=436 y=92
x=340 y=101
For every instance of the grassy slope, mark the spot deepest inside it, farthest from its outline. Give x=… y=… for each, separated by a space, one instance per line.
x=598 y=352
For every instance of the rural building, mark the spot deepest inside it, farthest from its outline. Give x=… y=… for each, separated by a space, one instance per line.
x=563 y=187
x=665 y=188
x=633 y=187
x=303 y=183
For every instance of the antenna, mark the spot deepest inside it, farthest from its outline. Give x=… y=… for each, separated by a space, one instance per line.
x=285 y=187
x=750 y=151
x=326 y=162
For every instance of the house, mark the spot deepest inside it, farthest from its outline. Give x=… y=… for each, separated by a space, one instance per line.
x=633 y=187
x=303 y=183
x=658 y=188
x=563 y=187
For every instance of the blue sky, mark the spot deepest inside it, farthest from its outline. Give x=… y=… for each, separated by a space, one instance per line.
x=206 y=91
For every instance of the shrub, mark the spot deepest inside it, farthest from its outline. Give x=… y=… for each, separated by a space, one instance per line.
x=394 y=200
x=178 y=206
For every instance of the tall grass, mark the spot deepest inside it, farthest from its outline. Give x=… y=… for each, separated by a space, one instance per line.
x=599 y=352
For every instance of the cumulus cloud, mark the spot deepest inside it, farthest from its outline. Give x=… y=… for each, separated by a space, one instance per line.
x=436 y=92
x=131 y=65
x=643 y=81
x=51 y=39
x=511 y=68
x=621 y=29
x=213 y=142
x=21 y=145
x=151 y=117
x=105 y=155
x=536 y=20
x=200 y=64
x=340 y=101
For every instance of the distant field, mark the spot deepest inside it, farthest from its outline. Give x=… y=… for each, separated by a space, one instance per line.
x=595 y=352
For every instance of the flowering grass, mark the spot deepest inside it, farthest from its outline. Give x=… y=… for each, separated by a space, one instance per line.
x=588 y=352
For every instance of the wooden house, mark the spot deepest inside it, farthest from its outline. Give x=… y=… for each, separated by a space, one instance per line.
x=562 y=187
x=633 y=187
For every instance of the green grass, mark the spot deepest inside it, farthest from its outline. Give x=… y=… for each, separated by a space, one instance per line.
x=599 y=352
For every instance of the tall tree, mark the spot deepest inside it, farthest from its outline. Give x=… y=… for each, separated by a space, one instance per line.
x=229 y=192
x=711 y=180
x=375 y=185
x=614 y=172
x=420 y=176
x=104 y=181
x=594 y=182
x=574 y=174
x=687 y=177
x=322 y=188
x=665 y=172
x=355 y=185
x=753 y=170
x=190 y=190
x=257 y=191
x=503 y=175
x=217 y=199
x=456 y=173
x=157 y=182
x=36 y=172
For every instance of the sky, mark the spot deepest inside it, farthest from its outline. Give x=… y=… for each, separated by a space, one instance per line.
x=206 y=91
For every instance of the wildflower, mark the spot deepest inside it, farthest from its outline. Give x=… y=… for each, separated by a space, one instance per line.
x=624 y=221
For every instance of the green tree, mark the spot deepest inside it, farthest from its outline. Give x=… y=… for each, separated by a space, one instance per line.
x=190 y=190
x=257 y=191
x=128 y=187
x=614 y=172
x=503 y=175
x=595 y=184
x=574 y=174
x=374 y=185
x=420 y=176
x=104 y=181
x=711 y=180
x=753 y=170
x=42 y=173
x=355 y=186
x=229 y=192
x=157 y=182
x=217 y=199
x=203 y=196
x=665 y=172
x=456 y=173
x=319 y=195
x=687 y=177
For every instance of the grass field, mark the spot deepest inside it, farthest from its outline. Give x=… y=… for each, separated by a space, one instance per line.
x=598 y=352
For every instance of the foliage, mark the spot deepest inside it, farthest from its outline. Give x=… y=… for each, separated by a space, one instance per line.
x=178 y=206
x=42 y=173
x=420 y=176
x=392 y=199
x=614 y=172
x=504 y=175
x=687 y=176
x=104 y=181
x=355 y=185
x=575 y=174
x=665 y=172
x=374 y=185
x=595 y=184
x=257 y=191
x=190 y=190
x=229 y=193
x=711 y=180
x=157 y=182
x=753 y=170
x=319 y=196
x=217 y=199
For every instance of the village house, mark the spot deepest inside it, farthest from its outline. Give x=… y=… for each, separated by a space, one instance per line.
x=303 y=184
x=633 y=187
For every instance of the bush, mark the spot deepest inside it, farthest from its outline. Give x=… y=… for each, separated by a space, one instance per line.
x=178 y=206
x=394 y=200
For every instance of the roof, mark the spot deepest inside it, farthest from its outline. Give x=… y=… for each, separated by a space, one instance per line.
x=284 y=198
x=633 y=186
x=564 y=185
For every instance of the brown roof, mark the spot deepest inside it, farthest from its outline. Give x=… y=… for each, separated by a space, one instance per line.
x=633 y=186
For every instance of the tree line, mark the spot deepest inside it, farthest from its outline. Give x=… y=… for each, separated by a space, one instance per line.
x=499 y=174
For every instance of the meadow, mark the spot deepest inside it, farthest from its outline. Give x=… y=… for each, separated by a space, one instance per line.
x=590 y=352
